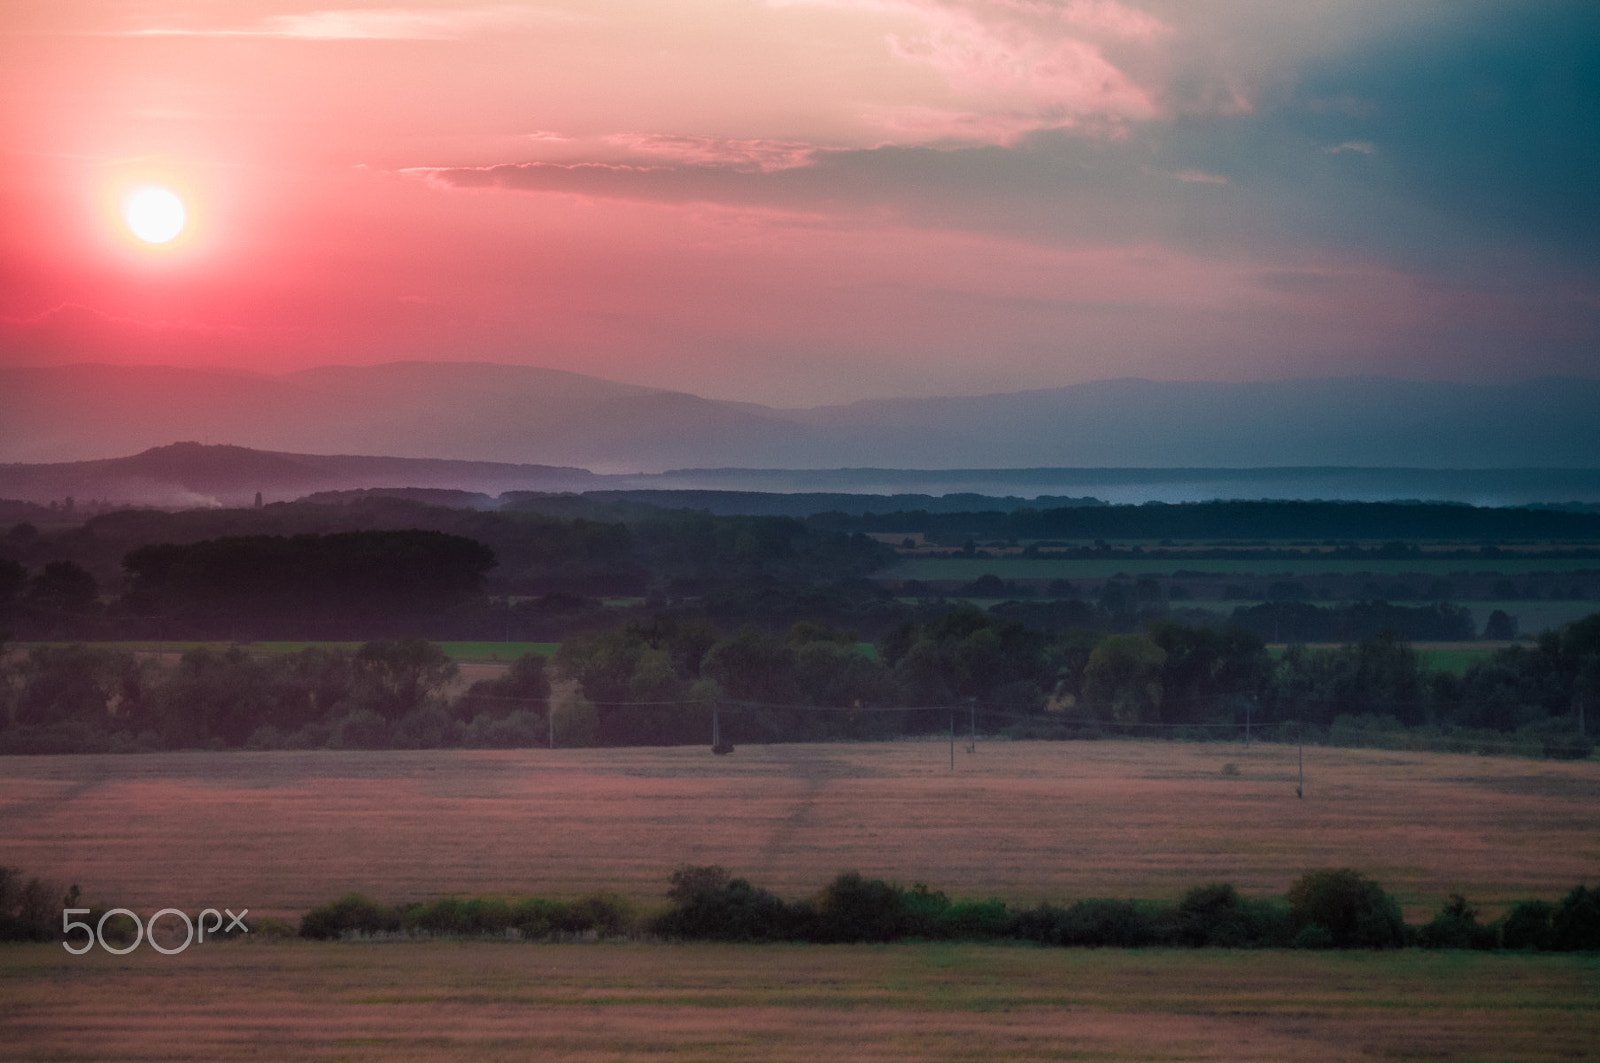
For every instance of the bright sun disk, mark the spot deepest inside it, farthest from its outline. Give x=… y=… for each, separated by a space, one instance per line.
x=155 y=215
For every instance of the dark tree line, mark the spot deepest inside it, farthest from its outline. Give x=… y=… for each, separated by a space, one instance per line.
x=659 y=683
x=1325 y=909
x=306 y=585
x=385 y=567
x=1236 y=520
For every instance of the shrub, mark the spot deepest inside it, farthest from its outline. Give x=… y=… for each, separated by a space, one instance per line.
x=1353 y=909
x=968 y=920
x=427 y=727
x=1110 y=923
x=1456 y=927
x=1527 y=926
x=1575 y=924
x=350 y=914
x=361 y=729
x=603 y=914
x=265 y=737
x=520 y=729
x=732 y=910
x=457 y=917
x=1216 y=916
x=28 y=910
x=853 y=908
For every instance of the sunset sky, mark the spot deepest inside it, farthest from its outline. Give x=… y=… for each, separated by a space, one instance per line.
x=804 y=201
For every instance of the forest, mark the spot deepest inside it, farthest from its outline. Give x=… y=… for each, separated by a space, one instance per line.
x=786 y=628
x=659 y=684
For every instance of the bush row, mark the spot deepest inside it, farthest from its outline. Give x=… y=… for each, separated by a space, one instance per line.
x=1330 y=909
x=354 y=915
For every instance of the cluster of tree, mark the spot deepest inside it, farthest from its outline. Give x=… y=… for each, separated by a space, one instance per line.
x=1330 y=909
x=31 y=910
x=1291 y=621
x=660 y=682
x=76 y=698
x=1234 y=520
x=306 y=585
x=349 y=570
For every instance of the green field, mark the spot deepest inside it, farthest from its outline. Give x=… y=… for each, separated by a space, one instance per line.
x=1454 y=658
x=458 y=1001
x=1011 y=568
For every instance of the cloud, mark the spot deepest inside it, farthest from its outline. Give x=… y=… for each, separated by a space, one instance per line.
x=1010 y=67
x=383 y=23
x=748 y=155
x=1024 y=68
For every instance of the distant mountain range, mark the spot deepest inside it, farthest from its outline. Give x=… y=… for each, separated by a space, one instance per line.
x=518 y=415
x=187 y=475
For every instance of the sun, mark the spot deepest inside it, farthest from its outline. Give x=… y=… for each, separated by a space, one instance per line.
x=154 y=214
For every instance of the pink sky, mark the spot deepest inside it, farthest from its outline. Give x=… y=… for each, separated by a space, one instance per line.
x=800 y=202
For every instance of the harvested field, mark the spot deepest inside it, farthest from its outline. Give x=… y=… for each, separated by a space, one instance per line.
x=484 y=1001
x=280 y=832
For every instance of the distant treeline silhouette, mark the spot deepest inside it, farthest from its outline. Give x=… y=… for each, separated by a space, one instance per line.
x=1325 y=909
x=1237 y=520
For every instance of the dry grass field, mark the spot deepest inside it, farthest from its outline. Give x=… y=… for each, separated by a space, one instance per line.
x=453 y=1001
x=280 y=832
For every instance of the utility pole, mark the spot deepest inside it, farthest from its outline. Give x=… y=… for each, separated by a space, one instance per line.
x=1300 y=735
x=550 y=720
x=1247 y=703
x=972 y=744
x=952 y=739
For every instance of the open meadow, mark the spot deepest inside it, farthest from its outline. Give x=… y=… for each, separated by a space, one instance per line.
x=485 y=1001
x=281 y=832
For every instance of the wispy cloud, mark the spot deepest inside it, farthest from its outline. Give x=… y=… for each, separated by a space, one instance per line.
x=1199 y=177
x=385 y=23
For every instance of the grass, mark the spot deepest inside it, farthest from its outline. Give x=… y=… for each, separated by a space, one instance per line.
x=281 y=832
x=445 y=1001
x=1452 y=657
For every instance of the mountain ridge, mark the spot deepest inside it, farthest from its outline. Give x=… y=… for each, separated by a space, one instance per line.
x=485 y=411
